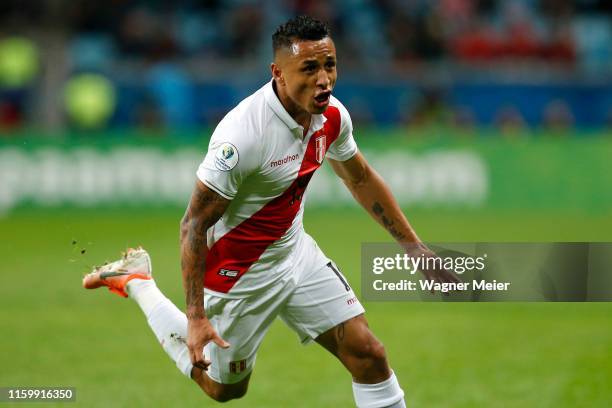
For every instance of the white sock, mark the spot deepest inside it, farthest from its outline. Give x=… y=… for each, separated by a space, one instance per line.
x=167 y=322
x=387 y=394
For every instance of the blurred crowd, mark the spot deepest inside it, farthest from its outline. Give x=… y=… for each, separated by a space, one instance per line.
x=97 y=54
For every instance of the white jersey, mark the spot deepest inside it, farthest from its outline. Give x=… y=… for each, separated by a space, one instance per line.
x=259 y=159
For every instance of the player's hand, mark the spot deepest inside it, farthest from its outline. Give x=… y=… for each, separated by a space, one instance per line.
x=435 y=272
x=199 y=333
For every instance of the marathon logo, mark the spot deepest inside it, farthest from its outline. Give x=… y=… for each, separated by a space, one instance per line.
x=289 y=158
x=228 y=273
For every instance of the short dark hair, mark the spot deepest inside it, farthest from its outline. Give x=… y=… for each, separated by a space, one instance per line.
x=298 y=28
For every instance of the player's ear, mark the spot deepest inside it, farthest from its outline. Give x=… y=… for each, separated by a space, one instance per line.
x=277 y=74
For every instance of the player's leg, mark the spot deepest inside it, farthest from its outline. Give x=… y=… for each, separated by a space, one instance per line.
x=131 y=277
x=170 y=327
x=324 y=308
x=358 y=349
x=374 y=384
x=217 y=391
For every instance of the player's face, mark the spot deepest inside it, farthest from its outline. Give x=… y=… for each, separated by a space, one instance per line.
x=305 y=76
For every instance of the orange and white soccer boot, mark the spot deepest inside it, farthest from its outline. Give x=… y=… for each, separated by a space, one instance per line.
x=135 y=264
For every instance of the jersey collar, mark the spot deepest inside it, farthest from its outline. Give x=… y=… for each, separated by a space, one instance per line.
x=316 y=121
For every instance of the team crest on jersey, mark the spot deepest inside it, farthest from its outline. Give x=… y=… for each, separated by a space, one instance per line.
x=320 y=148
x=226 y=157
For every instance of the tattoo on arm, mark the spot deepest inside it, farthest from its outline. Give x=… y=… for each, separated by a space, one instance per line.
x=377 y=208
x=388 y=223
x=205 y=208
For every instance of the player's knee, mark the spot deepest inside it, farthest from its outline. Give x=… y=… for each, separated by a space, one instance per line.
x=217 y=391
x=368 y=358
x=223 y=394
x=375 y=353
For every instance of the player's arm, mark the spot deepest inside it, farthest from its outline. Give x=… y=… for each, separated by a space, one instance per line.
x=204 y=210
x=371 y=191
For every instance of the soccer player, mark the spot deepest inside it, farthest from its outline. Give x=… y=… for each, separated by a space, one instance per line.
x=245 y=256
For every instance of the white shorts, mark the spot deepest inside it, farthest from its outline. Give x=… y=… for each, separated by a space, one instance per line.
x=309 y=301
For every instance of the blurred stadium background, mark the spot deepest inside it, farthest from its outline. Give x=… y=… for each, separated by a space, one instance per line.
x=491 y=120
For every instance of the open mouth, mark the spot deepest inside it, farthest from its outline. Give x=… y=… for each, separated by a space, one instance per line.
x=322 y=98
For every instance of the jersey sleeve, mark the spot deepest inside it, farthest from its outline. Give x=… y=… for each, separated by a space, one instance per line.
x=344 y=147
x=231 y=157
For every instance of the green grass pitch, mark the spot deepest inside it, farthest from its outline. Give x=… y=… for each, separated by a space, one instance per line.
x=445 y=355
